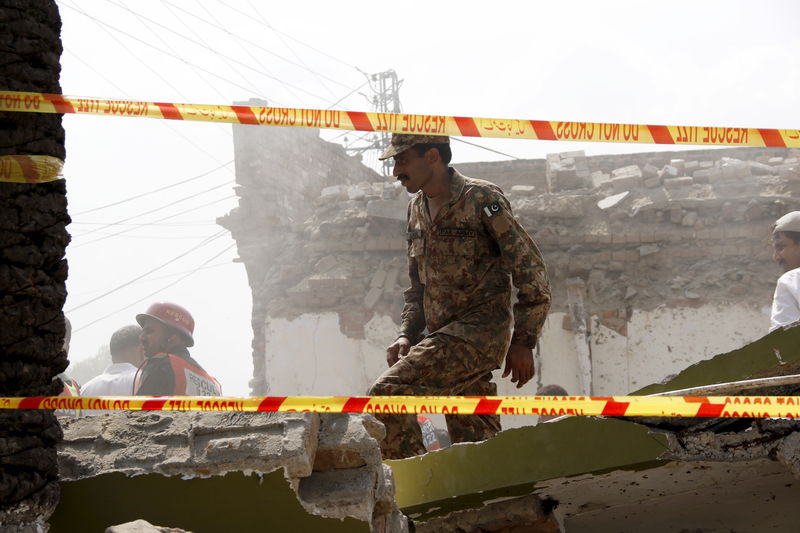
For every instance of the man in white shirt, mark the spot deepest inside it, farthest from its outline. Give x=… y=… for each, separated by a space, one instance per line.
x=786 y=246
x=117 y=379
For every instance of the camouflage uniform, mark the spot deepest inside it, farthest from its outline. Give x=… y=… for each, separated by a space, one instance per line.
x=462 y=265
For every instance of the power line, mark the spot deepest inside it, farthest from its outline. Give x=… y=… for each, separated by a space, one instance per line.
x=151 y=69
x=210 y=49
x=264 y=23
x=164 y=42
x=236 y=39
x=300 y=65
x=170 y=204
x=165 y=276
x=137 y=278
x=484 y=148
x=159 y=220
x=204 y=43
x=188 y=223
x=179 y=58
x=136 y=197
x=155 y=292
x=316 y=75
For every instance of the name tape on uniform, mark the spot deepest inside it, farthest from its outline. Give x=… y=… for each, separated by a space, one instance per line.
x=403 y=122
x=667 y=406
x=30 y=168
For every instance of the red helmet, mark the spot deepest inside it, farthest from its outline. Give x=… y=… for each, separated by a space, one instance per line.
x=172 y=315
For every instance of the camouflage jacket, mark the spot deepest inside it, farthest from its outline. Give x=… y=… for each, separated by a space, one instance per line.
x=462 y=266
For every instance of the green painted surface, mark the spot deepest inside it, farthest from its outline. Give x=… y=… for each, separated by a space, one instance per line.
x=234 y=502
x=523 y=456
x=736 y=365
x=513 y=462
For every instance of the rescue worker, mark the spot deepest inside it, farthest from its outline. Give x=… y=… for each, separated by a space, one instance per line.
x=465 y=249
x=168 y=369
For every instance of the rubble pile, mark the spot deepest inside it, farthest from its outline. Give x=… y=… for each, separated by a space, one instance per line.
x=332 y=462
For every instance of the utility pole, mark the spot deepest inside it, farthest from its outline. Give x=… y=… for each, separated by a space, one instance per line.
x=385 y=99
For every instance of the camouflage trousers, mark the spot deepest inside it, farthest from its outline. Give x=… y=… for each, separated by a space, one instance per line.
x=439 y=365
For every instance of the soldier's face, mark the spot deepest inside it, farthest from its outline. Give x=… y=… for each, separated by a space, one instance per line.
x=412 y=170
x=786 y=252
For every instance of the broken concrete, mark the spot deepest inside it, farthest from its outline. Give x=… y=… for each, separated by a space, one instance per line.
x=332 y=463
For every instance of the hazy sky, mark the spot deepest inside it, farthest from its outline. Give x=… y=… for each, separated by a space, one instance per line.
x=726 y=63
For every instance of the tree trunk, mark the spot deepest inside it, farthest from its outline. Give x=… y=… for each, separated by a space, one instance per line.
x=33 y=270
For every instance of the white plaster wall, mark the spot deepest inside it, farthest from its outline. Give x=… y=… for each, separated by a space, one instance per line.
x=311 y=356
x=665 y=341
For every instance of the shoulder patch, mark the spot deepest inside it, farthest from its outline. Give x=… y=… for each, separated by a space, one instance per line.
x=492 y=209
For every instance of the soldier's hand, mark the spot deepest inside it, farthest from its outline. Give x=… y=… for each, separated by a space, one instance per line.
x=398 y=349
x=519 y=363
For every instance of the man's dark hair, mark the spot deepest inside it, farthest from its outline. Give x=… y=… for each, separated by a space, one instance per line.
x=444 y=150
x=124 y=338
x=791 y=235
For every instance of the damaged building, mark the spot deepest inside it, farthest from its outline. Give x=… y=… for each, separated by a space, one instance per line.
x=657 y=260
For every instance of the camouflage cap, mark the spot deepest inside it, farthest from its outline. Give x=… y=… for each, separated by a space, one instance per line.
x=788 y=222
x=403 y=141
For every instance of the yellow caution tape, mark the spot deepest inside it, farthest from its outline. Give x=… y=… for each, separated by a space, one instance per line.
x=403 y=122
x=666 y=406
x=30 y=168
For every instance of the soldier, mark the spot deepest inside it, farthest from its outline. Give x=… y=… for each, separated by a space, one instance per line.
x=465 y=249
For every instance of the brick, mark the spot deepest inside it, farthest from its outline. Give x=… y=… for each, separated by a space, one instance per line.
x=677 y=183
x=618 y=255
x=618 y=238
x=624 y=183
x=649 y=171
x=648 y=249
x=602 y=257
x=702 y=175
x=652 y=183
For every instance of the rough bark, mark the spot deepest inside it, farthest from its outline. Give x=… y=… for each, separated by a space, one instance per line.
x=33 y=270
